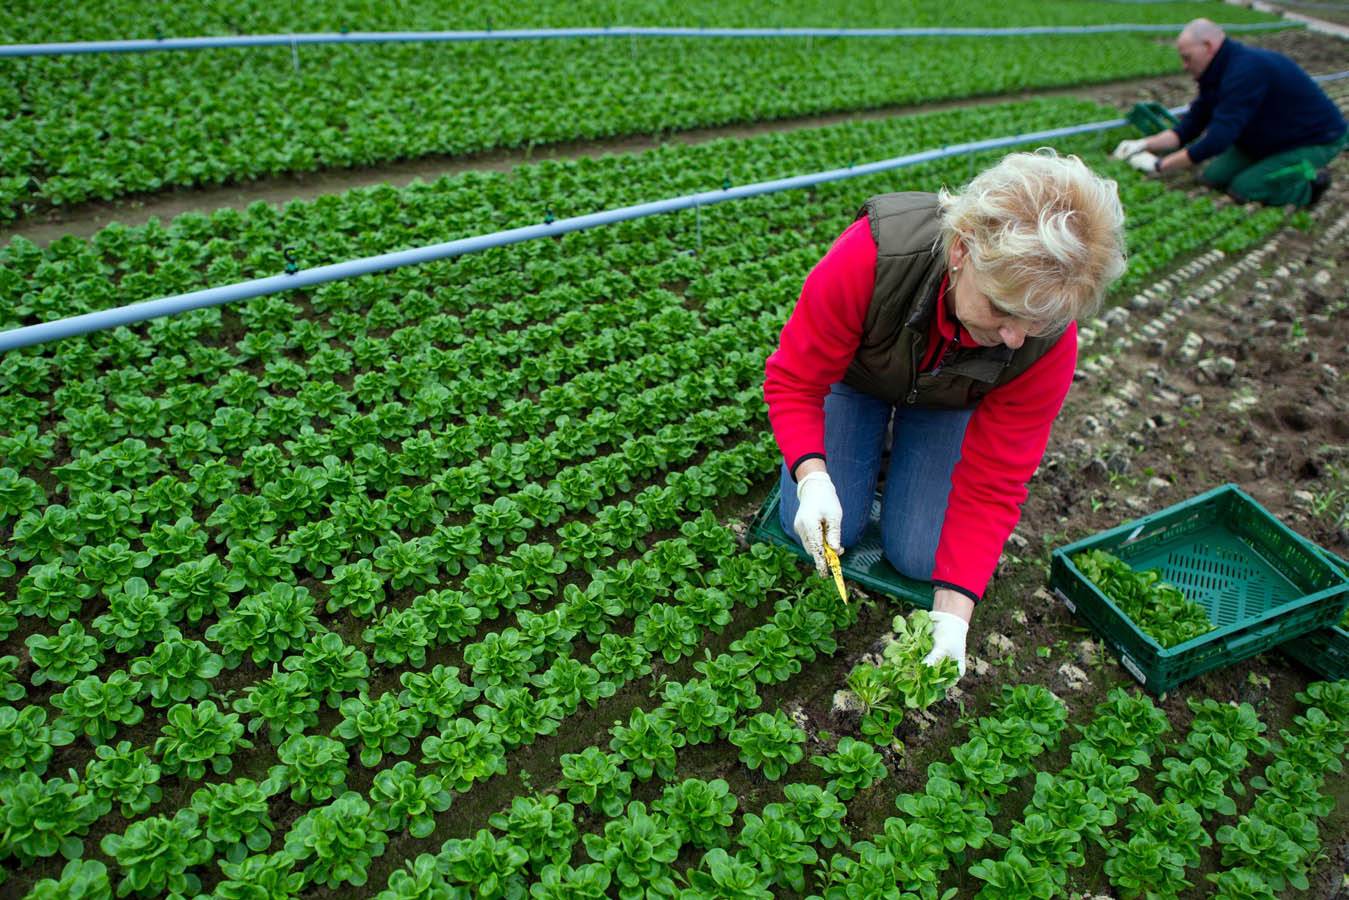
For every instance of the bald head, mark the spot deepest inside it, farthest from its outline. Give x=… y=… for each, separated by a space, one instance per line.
x=1198 y=44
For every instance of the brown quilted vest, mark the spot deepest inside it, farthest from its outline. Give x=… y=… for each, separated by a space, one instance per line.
x=909 y=268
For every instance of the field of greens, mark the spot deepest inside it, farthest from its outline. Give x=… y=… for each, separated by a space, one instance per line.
x=81 y=128
x=434 y=584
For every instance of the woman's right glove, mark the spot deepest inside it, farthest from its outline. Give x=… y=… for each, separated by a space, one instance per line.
x=819 y=506
x=1128 y=148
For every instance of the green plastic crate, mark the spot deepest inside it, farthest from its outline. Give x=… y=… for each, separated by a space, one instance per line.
x=1326 y=651
x=864 y=563
x=1260 y=583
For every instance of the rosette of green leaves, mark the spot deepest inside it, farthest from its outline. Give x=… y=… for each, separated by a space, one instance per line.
x=979 y=768
x=314 y=767
x=699 y=811
x=26 y=740
x=721 y=875
x=53 y=591
x=1265 y=849
x=8 y=620
x=463 y=752
x=669 y=631
x=1296 y=784
x=1125 y=727
x=400 y=636
x=540 y=566
x=419 y=879
x=1317 y=741
x=1037 y=706
x=263 y=564
x=95 y=707
x=569 y=681
x=1075 y=805
x=1332 y=697
x=489 y=866
x=771 y=651
x=196 y=735
x=166 y=496
x=562 y=882
x=500 y=658
x=590 y=610
x=1046 y=844
x=547 y=634
x=409 y=563
x=321 y=545
x=622 y=656
x=730 y=676
x=234 y=817
x=770 y=741
x=340 y=838
x=266 y=625
x=583 y=546
x=597 y=779
x=111 y=564
x=242 y=516
x=64 y=656
x=709 y=608
x=638 y=850
x=18 y=494
x=379 y=726
x=261 y=877
x=853 y=766
x=1014 y=737
x=676 y=563
x=648 y=742
x=818 y=812
x=156 y=854
x=1013 y=878
x=403 y=800
x=517 y=715
x=807 y=628
x=777 y=846
x=696 y=710
x=45 y=534
x=177 y=670
x=126 y=774
x=182 y=540
x=355 y=586
x=282 y=703
x=438 y=694
x=135 y=617
x=451 y=615
x=957 y=817
x=542 y=825
x=1115 y=782
x=495 y=586
x=333 y=667
x=81 y=879
x=199 y=588
x=1198 y=782
x=872 y=873
x=1241 y=884
x=502 y=522
x=1146 y=866
x=918 y=853
x=43 y=816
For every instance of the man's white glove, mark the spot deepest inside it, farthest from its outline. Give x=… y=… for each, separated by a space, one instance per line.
x=819 y=504
x=1127 y=149
x=948 y=639
x=1144 y=161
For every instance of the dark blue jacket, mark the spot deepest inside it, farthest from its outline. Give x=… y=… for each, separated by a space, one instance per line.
x=1259 y=101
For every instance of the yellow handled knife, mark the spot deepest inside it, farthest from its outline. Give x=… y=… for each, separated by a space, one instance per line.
x=831 y=558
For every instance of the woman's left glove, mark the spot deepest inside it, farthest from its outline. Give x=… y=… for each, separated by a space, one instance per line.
x=819 y=507
x=948 y=639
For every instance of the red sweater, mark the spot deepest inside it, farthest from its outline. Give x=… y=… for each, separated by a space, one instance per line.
x=1004 y=442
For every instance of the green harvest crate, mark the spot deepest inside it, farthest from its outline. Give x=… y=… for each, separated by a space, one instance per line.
x=1260 y=583
x=1325 y=652
x=864 y=563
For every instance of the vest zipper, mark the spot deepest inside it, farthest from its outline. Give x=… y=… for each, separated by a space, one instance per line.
x=944 y=355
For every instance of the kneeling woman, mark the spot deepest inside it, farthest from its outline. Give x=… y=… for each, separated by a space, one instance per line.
x=948 y=320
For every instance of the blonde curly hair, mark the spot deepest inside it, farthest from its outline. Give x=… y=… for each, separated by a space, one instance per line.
x=1043 y=234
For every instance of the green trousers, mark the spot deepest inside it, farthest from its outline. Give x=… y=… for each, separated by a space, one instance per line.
x=1275 y=180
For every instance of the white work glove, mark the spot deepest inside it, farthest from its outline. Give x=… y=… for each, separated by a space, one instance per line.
x=1144 y=162
x=1127 y=149
x=819 y=503
x=948 y=639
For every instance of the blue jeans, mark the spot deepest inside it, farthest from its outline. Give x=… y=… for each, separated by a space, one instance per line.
x=926 y=448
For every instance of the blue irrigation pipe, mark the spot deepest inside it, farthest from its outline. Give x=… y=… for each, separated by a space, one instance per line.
x=540 y=34
x=152 y=309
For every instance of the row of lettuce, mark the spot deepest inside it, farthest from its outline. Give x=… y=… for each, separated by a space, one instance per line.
x=75 y=129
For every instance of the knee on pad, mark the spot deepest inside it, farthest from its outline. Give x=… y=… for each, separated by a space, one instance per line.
x=908 y=560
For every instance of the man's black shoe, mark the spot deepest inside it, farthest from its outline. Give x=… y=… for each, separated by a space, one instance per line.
x=1319 y=185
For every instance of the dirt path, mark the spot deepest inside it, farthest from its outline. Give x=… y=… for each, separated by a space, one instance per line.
x=1317 y=53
